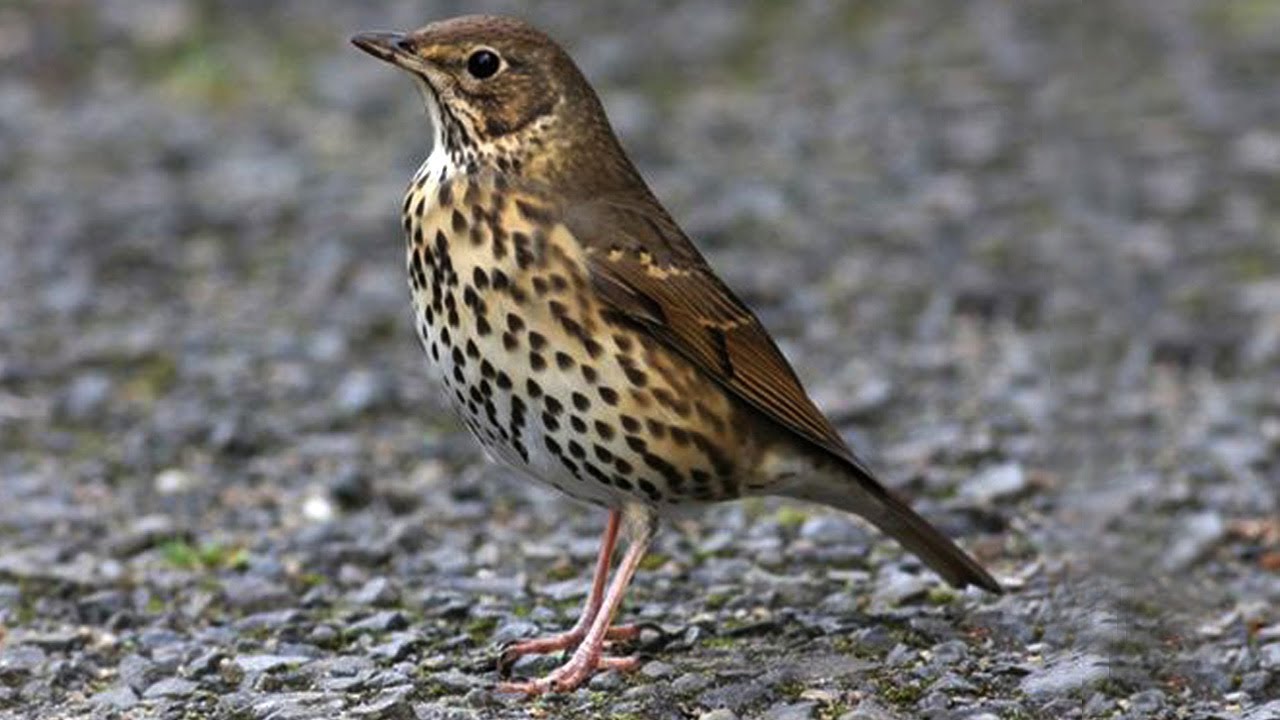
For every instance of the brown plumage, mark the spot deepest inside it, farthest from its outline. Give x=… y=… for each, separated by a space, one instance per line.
x=579 y=333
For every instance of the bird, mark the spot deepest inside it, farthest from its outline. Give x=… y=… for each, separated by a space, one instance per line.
x=582 y=337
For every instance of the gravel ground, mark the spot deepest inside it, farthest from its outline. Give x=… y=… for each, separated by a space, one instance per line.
x=1026 y=254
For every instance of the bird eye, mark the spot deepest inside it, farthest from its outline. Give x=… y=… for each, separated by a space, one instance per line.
x=483 y=64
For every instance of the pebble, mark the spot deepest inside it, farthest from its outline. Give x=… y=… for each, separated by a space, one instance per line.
x=118 y=697
x=790 y=711
x=1067 y=674
x=998 y=482
x=170 y=688
x=256 y=664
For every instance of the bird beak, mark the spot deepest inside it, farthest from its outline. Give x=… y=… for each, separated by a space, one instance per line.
x=394 y=48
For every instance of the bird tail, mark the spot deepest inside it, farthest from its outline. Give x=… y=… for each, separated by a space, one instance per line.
x=864 y=496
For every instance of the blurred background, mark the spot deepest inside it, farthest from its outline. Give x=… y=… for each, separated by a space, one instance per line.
x=1026 y=254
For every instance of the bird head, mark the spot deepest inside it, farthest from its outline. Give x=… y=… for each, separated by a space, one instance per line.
x=503 y=96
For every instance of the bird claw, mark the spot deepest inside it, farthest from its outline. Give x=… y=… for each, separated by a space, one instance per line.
x=571 y=675
x=626 y=635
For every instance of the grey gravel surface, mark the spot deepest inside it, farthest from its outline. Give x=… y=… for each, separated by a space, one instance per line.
x=1026 y=254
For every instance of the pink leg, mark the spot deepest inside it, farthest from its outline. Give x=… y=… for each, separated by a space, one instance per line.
x=588 y=657
x=571 y=639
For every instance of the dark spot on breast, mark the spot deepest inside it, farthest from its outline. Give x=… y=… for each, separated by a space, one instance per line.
x=537 y=362
x=576 y=449
x=480 y=279
x=578 y=424
x=623 y=466
x=509 y=342
x=515 y=323
x=550 y=422
x=563 y=360
x=622 y=483
x=537 y=340
x=533 y=388
x=500 y=280
x=580 y=401
x=596 y=474
x=668 y=471
x=558 y=309
x=671 y=402
x=679 y=436
x=458 y=359
x=535 y=214
x=445 y=196
x=482 y=326
x=629 y=423
x=503 y=380
x=636 y=377
x=486 y=368
x=594 y=349
x=608 y=394
x=655 y=428
x=604 y=430
x=636 y=443
x=539 y=285
x=553 y=405
x=589 y=374
x=650 y=490
x=558 y=282
x=472 y=350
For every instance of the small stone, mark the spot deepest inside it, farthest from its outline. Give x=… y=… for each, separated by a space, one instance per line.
x=397 y=647
x=56 y=641
x=1066 y=675
x=206 y=663
x=143 y=533
x=174 y=481
x=317 y=508
x=381 y=621
x=609 y=680
x=657 y=669
x=378 y=591
x=1195 y=537
x=351 y=489
x=360 y=391
x=20 y=660
x=869 y=709
x=170 y=688
x=1270 y=711
x=895 y=587
x=86 y=396
x=790 y=711
x=832 y=530
x=257 y=664
x=137 y=672
x=719 y=714
x=254 y=594
x=391 y=704
x=1269 y=656
x=998 y=482
x=118 y=697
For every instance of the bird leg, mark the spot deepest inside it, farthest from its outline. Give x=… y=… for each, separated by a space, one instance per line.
x=588 y=658
x=570 y=639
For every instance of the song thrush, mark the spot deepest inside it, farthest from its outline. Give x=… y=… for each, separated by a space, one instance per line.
x=581 y=336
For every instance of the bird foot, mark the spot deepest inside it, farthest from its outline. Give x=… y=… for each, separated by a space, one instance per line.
x=571 y=675
x=565 y=641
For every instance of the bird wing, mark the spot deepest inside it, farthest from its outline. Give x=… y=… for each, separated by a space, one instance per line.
x=652 y=276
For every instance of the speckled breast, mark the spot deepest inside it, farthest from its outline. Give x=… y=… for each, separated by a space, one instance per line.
x=535 y=369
